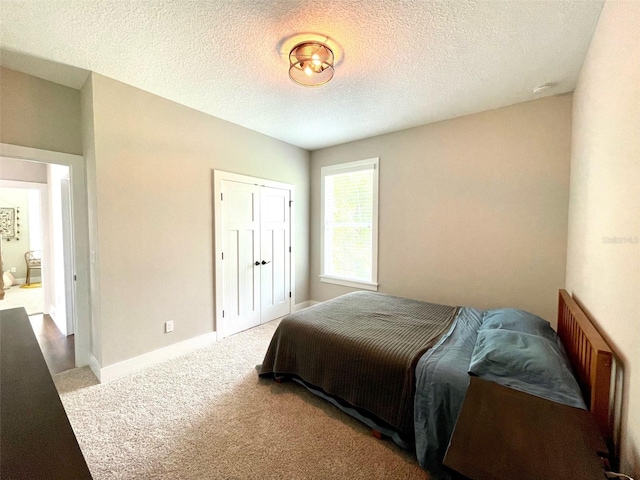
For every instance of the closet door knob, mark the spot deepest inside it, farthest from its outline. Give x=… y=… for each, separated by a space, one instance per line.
x=257 y=264
x=264 y=263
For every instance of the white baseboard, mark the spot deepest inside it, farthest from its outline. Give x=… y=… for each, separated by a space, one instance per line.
x=120 y=369
x=301 y=305
x=23 y=280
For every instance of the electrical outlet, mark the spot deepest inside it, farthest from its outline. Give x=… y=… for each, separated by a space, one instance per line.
x=168 y=326
x=14 y=269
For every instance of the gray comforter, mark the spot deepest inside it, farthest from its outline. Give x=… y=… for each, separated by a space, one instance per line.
x=367 y=361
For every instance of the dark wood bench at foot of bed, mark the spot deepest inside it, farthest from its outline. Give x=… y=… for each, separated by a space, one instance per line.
x=502 y=434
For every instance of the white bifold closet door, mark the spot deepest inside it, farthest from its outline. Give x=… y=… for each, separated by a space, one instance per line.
x=255 y=254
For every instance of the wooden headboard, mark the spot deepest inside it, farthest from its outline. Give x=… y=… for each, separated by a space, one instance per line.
x=590 y=357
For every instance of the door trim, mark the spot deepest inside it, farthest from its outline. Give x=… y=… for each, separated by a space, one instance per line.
x=67 y=243
x=80 y=218
x=218 y=177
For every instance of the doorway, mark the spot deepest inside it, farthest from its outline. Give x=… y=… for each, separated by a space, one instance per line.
x=41 y=230
x=253 y=252
x=21 y=206
x=71 y=253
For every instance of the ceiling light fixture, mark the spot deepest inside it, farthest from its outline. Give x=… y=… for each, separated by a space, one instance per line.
x=311 y=64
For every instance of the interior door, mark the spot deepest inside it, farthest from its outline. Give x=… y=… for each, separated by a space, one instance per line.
x=275 y=255
x=241 y=249
x=68 y=248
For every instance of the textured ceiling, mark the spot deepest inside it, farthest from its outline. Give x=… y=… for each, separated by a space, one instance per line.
x=400 y=63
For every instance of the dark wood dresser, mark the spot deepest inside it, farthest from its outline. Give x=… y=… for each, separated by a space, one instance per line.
x=36 y=439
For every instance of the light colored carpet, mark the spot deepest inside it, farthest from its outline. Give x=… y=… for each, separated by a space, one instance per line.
x=207 y=415
x=32 y=299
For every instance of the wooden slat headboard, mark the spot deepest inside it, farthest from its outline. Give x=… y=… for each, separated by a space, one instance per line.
x=590 y=357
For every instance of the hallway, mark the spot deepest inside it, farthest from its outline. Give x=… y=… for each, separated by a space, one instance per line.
x=57 y=349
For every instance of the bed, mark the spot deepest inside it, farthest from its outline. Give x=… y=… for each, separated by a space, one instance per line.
x=402 y=366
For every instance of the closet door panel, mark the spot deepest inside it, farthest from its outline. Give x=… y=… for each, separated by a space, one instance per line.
x=274 y=246
x=241 y=242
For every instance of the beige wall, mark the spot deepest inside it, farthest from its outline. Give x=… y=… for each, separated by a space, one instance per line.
x=88 y=141
x=603 y=260
x=22 y=170
x=473 y=211
x=39 y=114
x=153 y=173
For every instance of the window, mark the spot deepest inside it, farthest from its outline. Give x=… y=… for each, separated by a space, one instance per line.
x=350 y=224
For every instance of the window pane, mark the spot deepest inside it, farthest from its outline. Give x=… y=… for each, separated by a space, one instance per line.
x=349 y=197
x=349 y=255
x=348 y=225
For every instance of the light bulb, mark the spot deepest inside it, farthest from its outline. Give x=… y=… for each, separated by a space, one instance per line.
x=308 y=70
x=316 y=59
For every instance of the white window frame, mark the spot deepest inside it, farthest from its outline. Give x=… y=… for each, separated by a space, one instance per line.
x=344 y=168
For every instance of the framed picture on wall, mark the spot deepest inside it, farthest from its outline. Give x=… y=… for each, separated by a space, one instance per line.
x=8 y=222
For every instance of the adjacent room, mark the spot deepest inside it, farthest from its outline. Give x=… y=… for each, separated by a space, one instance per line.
x=229 y=206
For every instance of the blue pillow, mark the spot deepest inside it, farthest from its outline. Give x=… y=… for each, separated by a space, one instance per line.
x=526 y=362
x=518 y=321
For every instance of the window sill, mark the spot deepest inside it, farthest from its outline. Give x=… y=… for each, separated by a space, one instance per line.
x=349 y=283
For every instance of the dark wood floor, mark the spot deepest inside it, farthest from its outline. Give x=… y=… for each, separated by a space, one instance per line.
x=58 y=350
